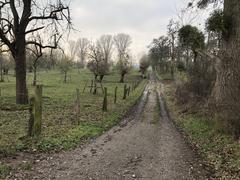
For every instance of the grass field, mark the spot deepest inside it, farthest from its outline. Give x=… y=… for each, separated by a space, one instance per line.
x=59 y=129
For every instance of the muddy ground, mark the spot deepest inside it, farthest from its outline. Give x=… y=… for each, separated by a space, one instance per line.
x=143 y=146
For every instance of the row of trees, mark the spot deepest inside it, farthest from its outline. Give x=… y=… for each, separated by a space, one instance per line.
x=210 y=60
x=99 y=55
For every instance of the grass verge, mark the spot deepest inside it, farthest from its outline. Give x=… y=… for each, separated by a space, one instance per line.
x=221 y=151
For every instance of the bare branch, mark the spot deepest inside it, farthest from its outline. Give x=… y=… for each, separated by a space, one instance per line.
x=39 y=44
x=2 y=4
x=15 y=14
x=5 y=40
x=52 y=15
x=33 y=30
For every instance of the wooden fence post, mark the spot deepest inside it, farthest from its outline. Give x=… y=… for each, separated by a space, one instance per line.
x=95 y=88
x=104 y=108
x=31 y=118
x=38 y=110
x=129 y=89
x=115 y=95
x=35 y=121
x=78 y=106
x=91 y=86
x=125 y=92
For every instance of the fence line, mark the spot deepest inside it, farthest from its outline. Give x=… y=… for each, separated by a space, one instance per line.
x=36 y=104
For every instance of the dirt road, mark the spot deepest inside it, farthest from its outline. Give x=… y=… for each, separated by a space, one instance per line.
x=141 y=147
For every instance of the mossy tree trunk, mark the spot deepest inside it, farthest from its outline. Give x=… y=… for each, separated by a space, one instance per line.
x=35 y=122
x=227 y=87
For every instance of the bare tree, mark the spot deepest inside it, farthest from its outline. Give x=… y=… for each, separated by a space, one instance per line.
x=82 y=50
x=53 y=57
x=122 y=43
x=34 y=54
x=96 y=57
x=144 y=65
x=72 y=45
x=173 y=28
x=106 y=46
x=18 y=19
x=64 y=65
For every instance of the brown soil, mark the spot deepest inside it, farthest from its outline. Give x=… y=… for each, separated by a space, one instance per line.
x=141 y=147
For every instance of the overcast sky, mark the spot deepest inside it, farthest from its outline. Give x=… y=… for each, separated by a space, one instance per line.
x=142 y=19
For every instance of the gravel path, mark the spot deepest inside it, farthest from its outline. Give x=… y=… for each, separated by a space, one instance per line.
x=141 y=147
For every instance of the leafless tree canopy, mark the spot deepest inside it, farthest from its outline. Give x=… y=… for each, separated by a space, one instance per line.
x=122 y=43
x=28 y=17
x=82 y=49
x=97 y=64
x=72 y=45
x=106 y=45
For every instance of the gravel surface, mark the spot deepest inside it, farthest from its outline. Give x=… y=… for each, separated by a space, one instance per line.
x=141 y=147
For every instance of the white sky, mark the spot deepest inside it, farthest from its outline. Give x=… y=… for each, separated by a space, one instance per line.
x=143 y=20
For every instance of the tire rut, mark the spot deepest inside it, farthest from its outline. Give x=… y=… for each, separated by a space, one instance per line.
x=139 y=150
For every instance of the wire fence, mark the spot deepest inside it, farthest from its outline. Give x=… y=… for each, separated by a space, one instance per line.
x=64 y=111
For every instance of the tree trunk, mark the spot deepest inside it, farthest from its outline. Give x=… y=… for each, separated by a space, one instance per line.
x=96 y=76
x=227 y=87
x=5 y=71
x=122 y=78
x=34 y=76
x=52 y=64
x=101 y=78
x=173 y=56
x=95 y=87
x=187 y=59
x=20 y=69
x=78 y=66
x=65 y=77
x=172 y=70
x=1 y=71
